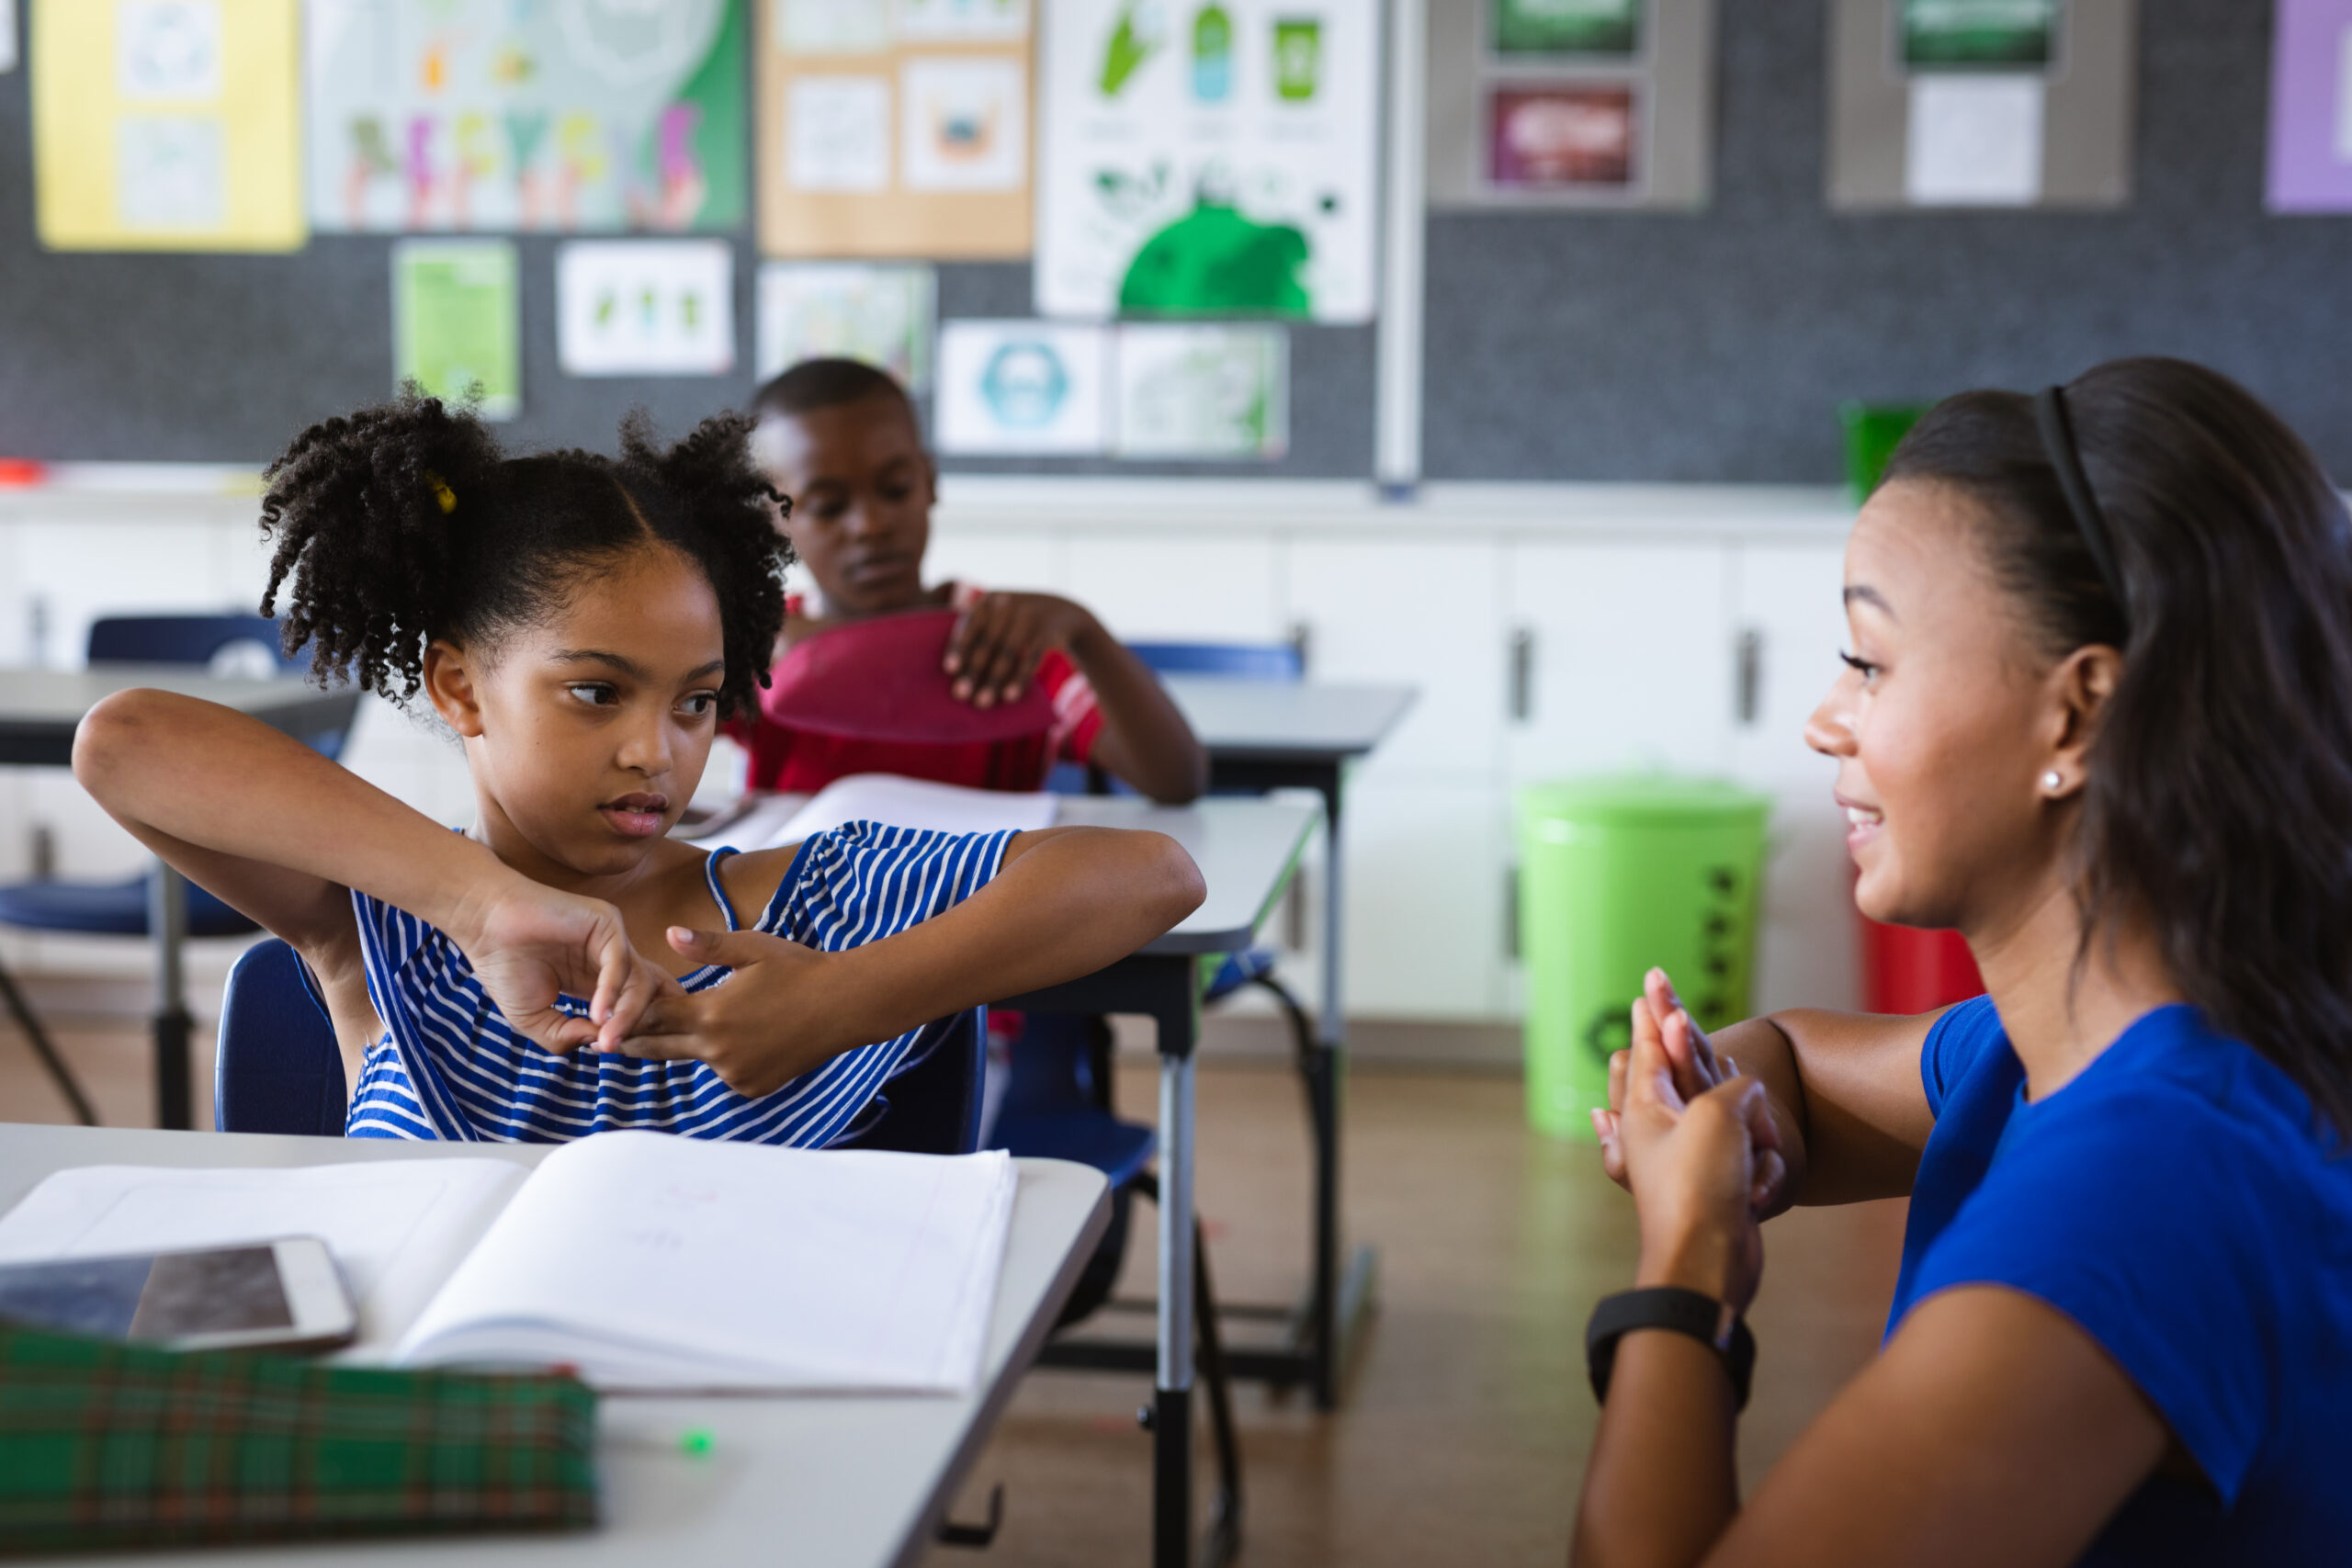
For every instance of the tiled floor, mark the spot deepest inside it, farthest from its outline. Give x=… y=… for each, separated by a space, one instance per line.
x=1466 y=1418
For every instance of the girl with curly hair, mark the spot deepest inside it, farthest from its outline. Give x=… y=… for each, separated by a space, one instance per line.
x=583 y=622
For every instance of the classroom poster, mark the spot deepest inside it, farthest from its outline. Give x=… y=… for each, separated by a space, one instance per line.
x=1202 y=392
x=645 y=308
x=895 y=128
x=1022 y=388
x=165 y=125
x=1584 y=104
x=2311 y=108
x=458 y=322
x=1981 y=102
x=881 y=314
x=502 y=115
x=1216 y=161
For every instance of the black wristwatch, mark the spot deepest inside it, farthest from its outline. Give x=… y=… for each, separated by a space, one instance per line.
x=1703 y=1318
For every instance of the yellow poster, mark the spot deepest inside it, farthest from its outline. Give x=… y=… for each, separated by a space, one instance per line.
x=895 y=128
x=166 y=124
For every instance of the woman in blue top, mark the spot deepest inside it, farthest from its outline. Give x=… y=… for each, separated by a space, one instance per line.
x=583 y=622
x=2099 y=719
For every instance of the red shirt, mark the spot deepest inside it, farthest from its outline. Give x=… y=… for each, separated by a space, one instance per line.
x=784 y=757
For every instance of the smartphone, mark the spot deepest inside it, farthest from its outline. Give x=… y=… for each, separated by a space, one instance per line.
x=284 y=1294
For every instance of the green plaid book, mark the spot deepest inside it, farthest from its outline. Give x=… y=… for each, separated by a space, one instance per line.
x=106 y=1446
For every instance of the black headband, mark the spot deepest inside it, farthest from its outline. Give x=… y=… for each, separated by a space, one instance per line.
x=2058 y=440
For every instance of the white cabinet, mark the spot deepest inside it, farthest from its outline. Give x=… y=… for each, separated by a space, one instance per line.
x=1793 y=623
x=995 y=558
x=1418 y=613
x=1197 y=586
x=1789 y=605
x=1623 y=656
x=1425 y=899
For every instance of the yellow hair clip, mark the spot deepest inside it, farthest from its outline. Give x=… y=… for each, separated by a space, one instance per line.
x=442 y=492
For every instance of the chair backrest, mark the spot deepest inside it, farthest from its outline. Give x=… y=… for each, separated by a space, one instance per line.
x=200 y=639
x=279 y=1069
x=934 y=1108
x=183 y=639
x=1277 y=662
x=881 y=679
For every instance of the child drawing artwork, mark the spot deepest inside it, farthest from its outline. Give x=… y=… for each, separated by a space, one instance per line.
x=484 y=115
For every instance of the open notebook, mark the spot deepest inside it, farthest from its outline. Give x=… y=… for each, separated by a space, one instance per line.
x=762 y=822
x=647 y=1262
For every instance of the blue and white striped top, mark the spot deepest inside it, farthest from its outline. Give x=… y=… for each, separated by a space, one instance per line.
x=448 y=1066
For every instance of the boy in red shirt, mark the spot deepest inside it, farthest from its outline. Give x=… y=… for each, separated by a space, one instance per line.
x=840 y=439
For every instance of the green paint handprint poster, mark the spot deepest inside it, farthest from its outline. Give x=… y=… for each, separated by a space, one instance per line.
x=1210 y=158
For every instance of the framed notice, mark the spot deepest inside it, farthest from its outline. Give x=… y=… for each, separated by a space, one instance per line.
x=895 y=128
x=1981 y=102
x=1571 y=103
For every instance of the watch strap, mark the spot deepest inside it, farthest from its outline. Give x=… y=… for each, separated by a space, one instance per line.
x=1703 y=1318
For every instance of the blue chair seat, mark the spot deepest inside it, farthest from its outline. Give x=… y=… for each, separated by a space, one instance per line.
x=110 y=908
x=1119 y=1150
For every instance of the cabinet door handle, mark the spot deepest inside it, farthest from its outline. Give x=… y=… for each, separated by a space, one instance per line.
x=1747 y=674
x=1522 y=699
x=1302 y=642
x=1510 y=913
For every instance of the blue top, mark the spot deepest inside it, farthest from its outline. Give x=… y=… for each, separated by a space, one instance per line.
x=448 y=1066
x=2178 y=1201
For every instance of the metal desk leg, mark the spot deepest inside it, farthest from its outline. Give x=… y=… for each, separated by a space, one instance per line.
x=167 y=925
x=1323 y=1092
x=1178 y=1018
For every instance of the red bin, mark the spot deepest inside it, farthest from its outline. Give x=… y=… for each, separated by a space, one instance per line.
x=1907 y=970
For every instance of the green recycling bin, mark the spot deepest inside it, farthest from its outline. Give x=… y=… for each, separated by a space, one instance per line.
x=1617 y=875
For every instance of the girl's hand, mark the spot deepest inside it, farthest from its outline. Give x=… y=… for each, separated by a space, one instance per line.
x=774 y=1019
x=993 y=651
x=1701 y=1169
x=528 y=944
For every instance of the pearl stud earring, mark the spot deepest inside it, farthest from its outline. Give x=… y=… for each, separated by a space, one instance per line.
x=2051 y=781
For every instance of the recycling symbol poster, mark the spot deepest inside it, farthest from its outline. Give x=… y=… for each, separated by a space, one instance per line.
x=1210 y=159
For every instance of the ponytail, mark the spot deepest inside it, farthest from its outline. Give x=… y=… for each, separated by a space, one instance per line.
x=404 y=523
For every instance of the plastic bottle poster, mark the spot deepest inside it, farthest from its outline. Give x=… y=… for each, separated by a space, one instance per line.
x=2311 y=108
x=458 y=322
x=1022 y=387
x=865 y=310
x=1203 y=392
x=565 y=115
x=165 y=124
x=1215 y=160
x=645 y=308
x=895 y=128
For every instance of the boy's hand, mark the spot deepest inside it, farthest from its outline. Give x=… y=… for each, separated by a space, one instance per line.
x=773 y=1020
x=993 y=651
x=528 y=944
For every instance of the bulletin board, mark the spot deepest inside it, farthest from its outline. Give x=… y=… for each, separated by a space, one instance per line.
x=1708 y=347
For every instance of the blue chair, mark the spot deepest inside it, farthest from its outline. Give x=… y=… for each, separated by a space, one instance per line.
x=279 y=1069
x=120 y=908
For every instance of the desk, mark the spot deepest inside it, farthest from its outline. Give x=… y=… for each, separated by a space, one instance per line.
x=1263 y=735
x=819 y=1483
x=38 y=712
x=1248 y=850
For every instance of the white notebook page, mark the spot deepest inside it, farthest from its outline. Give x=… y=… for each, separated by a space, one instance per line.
x=397 y=1228
x=658 y=1262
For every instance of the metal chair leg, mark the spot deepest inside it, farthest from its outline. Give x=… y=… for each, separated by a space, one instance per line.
x=58 y=1072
